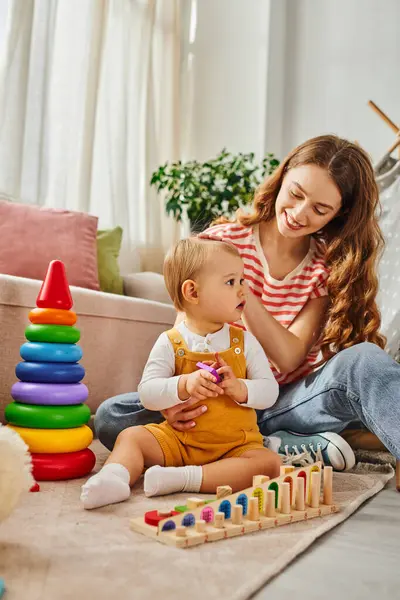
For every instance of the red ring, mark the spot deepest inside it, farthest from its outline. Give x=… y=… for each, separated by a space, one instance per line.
x=68 y=465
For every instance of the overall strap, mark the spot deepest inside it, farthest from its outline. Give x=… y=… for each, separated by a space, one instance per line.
x=177 y=341
x=236 y=339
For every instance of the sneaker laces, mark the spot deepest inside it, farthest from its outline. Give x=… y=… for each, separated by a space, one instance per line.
x=306 y=457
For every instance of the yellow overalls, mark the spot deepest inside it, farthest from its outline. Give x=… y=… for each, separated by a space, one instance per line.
x=226 y=429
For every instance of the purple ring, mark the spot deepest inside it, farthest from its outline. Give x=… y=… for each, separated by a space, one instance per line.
x=49 y=393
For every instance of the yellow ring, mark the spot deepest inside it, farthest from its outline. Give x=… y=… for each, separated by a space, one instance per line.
x=49 y=441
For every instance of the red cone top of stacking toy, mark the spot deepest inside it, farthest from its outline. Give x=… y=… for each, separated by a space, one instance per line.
x=54 y=292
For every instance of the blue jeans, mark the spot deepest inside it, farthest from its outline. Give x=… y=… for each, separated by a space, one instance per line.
x=359 y=384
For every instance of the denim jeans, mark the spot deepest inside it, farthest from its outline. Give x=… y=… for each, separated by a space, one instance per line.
x=359 y=384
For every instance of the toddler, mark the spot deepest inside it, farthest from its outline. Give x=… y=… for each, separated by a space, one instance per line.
x=206 y=282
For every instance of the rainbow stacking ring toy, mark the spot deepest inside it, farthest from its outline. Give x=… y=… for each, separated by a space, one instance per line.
x=48 y=372
x=69 y=465
x=45 y=352
x=48 y=411
x=47 y=417
x=49 y=393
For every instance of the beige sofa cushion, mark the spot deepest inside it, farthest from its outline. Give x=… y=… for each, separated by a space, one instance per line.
x=146 y=285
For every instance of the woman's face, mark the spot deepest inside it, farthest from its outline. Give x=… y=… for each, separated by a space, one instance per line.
x=307 y=201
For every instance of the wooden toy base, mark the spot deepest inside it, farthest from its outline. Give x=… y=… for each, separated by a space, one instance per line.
x=212 y=534
x=293 y=496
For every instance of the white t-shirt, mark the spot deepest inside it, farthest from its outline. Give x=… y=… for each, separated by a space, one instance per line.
x=158 y=388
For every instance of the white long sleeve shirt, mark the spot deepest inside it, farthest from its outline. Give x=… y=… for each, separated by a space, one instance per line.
x=158 y=388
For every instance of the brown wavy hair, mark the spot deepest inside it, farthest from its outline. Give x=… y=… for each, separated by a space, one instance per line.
x=353 y=240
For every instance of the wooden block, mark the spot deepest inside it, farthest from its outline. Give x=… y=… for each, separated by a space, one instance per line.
x=140 y=526
x=164 y=512
x=237 y=514
x=219 y=520
x=300 y=504
x=200 y=525
x=192 y=538
x=259 y=480
x=286 y=469
x=194 y=503
x=180 y=531
x=231 y=530
x=285 y=498
x=328 y=480
x=266 y=522
x=249 y=526
x=270 y=504
x=223 y=490
x=253 y=512
x=213 y=534
x=315 y=488
x=281 y=519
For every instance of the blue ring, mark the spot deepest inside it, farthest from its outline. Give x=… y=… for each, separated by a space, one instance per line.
x=36 y=372
x=46 y=352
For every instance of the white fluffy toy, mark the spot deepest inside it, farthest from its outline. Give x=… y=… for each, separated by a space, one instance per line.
x=15 y=470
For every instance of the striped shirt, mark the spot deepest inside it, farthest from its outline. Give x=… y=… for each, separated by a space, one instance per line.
x=284 y=299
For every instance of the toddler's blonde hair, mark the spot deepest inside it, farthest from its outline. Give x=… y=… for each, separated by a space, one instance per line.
x=185 y=261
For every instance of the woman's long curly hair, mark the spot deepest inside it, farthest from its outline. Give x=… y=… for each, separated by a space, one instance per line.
x=353 y=239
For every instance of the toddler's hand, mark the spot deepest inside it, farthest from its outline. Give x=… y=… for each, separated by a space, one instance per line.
x=232 y=386
x=201 y=384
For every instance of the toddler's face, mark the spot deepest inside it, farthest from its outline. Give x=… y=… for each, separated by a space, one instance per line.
x=222 y=288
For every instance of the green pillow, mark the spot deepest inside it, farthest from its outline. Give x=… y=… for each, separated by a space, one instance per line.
x=108 y=248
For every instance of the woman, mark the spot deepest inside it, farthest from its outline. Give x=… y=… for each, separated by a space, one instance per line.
x=310 y=249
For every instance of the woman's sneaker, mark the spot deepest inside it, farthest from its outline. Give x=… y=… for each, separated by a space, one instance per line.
x=301 y=449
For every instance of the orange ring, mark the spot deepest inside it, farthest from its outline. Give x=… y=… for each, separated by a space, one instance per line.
x=52 y=316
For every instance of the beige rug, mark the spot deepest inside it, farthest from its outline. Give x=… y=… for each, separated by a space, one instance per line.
x=51 y=549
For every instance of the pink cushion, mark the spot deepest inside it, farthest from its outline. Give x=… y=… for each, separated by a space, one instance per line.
x=31 y=236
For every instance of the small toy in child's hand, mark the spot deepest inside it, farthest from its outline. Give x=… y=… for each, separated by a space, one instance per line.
x=210 y=370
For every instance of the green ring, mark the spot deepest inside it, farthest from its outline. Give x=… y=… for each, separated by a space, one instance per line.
x=62 y=334
x=47 y=417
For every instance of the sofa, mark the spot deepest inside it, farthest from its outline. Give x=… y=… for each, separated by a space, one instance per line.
x=117 y=331
x=121 y=310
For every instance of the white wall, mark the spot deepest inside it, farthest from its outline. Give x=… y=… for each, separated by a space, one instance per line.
x=228 y=77
x=340 y=54
x=268 y=74
x=3 y=19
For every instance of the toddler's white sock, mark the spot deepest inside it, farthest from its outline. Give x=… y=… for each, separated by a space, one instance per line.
x=167 y=480
x=109 y=486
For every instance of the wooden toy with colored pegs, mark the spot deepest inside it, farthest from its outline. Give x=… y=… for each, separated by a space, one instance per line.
x=293 y=496
x=48 y=410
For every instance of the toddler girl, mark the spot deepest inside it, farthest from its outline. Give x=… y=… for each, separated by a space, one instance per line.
x=205 y=281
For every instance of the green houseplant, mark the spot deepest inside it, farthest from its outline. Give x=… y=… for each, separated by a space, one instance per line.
x=211 y=189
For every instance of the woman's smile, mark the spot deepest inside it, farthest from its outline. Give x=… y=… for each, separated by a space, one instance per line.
x=290 y=222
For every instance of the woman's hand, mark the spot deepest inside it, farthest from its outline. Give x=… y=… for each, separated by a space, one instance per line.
x=181 y=416
x=232 y=386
